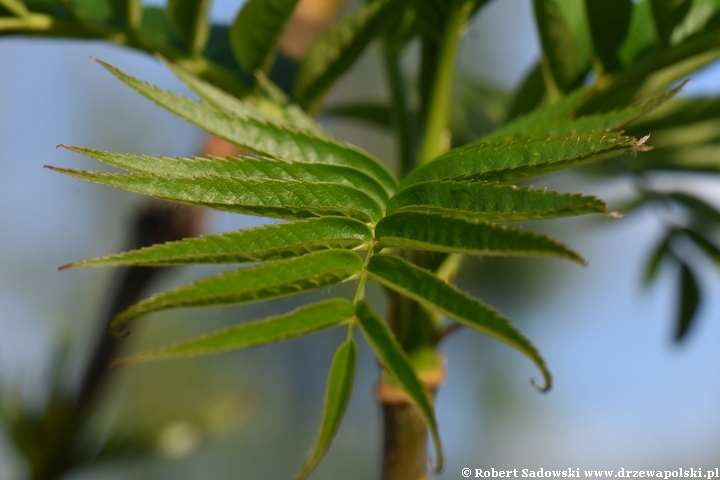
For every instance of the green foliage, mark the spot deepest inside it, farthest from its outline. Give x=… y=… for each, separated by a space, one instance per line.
x=269 y=242
x=129 y=11
x=560 y=63
x=273 y=280
x=445 y=232
x=190 y=19
x=333 y=53
x=609 y=25
x=397 y=364
x=450 y=205
x=303 y=321
x=424 y=287
x=348 y=217
x=257 y=29
x=339 y=389
x=667 y=14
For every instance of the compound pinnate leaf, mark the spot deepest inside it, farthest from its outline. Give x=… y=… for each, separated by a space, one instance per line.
x=255 y=132
x=269 y=242
x=515 y=160
x=272 y=198
x=491 y=202
x=395 y=361
x=257 y=29
x=688 y=302
x=424 y=287
x=336 y=50
x=190 y=17
x=337 y=397
x=446 y=233
x=264 y=282
x=303 y=321
x=240 y=168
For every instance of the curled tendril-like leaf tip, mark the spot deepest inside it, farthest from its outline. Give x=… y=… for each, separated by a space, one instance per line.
x=435 y=468
x=544 y=388
x=120 y=331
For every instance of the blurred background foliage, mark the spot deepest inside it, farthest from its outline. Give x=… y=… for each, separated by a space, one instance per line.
x=625 y=395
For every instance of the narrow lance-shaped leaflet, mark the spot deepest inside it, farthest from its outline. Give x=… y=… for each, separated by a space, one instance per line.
x=259 y=244
x=264 y=282
x=424 y=287
x=393 y=358
x=302 y=321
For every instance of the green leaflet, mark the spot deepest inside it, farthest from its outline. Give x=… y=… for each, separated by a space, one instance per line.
x=264 y=282
x=269 y=242
x=16 y=7
x=130 y=11
x=285 y=116
x=641 y=34
x=378 y=114
x=337 y=397
x=515 y=160
x=190 y=17
x=697 y=205
x=534 y=122
x=242 y=168
x=667 y=14
x=557 y=120
x=393 y=358
x=257 y=29
x=302 y=321
x=609 y=25
x=531 y=93
x=678 y=113
x=336 y=50
x=424 y=287
x=258 y=134
x=445 y=233
x=710 y=249
x=271 y=198
x=491 y=202
x=557 y=43
x=688 y=302
x=660 y=252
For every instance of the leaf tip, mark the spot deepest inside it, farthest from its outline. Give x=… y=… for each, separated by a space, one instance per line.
x=614 y=215
x=66 y=266
x=544 y=388
x=436 y=468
